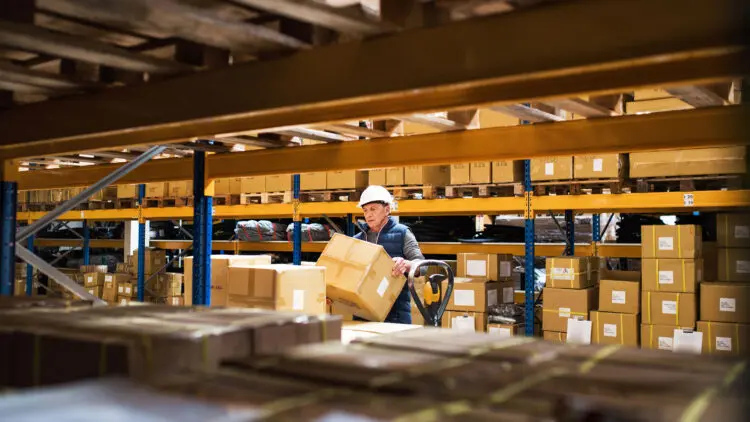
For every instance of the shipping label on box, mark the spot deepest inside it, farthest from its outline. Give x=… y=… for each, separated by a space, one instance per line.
x=465 y=321
x=724 y=338
x=615 y=328
x=733 y=230
x=619 y=291
x=657 y=337
x=672 y=275
x=734 y=264
x=563 y=304
x=725 y=302
x=481 y=266
x=662 y=308
x=572 y=273
x=680 y=241
x=471 y=295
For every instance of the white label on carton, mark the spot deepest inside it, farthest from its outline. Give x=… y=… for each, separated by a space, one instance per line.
x=688 y=341
x=666 y=243
x=492 y=297
x=298 y=300
x=743 y=267
x=175 y=301
x=741 y=232
x=505 y=269
x=666 y=277
x=108 y=278
x=563 y=274
x=464 y=297
x=463 y=323
x=579 y=332
x=598 y=164
x=121 y=289
x=382 y=287
x=666 y=343
x=127 y=290
x=549 y=169
x=618 y=297
x=500 y=332
x=508 y=294
x=610 y=330
x=724 y=344
x=123 y=301
x=669 y=307
x=476 y=268
x=564 y=312
x=90 y=279
x=726 y=304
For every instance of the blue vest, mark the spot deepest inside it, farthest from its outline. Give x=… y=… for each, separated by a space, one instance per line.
x=391 y=238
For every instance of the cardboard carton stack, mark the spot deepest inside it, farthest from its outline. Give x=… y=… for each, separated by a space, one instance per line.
x=471 y=173
x=278 y=287
x=618 y=319
x=571 y=292
x=725 y=304
x=672 y=269
x=552 y=168
x=167 y=287
x=219 y=275
x=111 y=285
x=599 y=166
x=153 y=263
x=94 y=283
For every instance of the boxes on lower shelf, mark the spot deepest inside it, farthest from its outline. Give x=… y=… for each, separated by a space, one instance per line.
x=552 y=168
x=276 y=183
x=614 y=328
x=672 y=275
x=465 y=321
x=278 y=287
x=657 y=337
x=677 y=309
x=725 y=338
x=395 y=176
x=555 y=336
x=505 y=330
x=253 y=184
x=562 y=304
x=312 y=181
x=346 y=179
x=507 y=171
x=734 y=264
x=427 y=175
x=725 y=302
x=733 y=230
x=600 y=166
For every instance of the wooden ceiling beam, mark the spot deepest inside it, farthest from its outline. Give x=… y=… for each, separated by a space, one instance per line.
x=697 y=96
x=314 y=134
x=527 y=113
x=434 y=121
x=12 y=73
x=582 y=107
x=346 y=129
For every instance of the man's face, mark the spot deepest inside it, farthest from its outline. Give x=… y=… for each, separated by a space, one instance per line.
x=375 y=214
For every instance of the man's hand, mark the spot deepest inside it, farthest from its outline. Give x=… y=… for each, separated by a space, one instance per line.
x=400 y=266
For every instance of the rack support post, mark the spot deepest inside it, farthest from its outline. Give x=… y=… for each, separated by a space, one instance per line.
x=528 y=250
x=141 y=244
x=570 y=232
x=8 y=199
x=86 y=243
x=297 y=234
x=30 y=268
x=202 y=231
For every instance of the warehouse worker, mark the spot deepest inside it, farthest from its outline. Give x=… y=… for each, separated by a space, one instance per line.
x=395 y=238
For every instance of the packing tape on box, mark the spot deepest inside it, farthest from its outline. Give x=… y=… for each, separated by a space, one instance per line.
x=557 y=311
x=694 y=411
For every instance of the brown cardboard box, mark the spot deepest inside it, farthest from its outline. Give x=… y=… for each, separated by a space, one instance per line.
x=614 y=328
x=93 y=279
x=725 y=338
x=572 y=272
x=157 y=190
x=555 y=337
x=127 y=290
x=221 y=187
x=278 y=287
x=281 y=183
x=347 y=179
x=311 y=181
x=95 y=290
x=480 y=172
x=734 y=264
x=688 y=162
x=563 y=304
x=506 y=291
x=460 y=174
x=235 y=185
x=471 y=295
x=725 y=302
x=552 y=168
x=427 y=175
x=505 y=330
x=394 y=176
x=507 y=171
x=490 y=267
x=680 y=241
x=465 y=321
x=377 y=177
x=93 y=268
x=599 y=166
x=733 y=230
x=620 y=291
x=168 y=284
x=219 y=275
x=672 y=275
x=176 y=300
x=253 y=184
x=358 y=274
x=662 y=308
x=657 y=337
x=155 y=259
x=124 y=300
x=710 y=262
x=180 y=189
x=126 y=191
x=111 y=281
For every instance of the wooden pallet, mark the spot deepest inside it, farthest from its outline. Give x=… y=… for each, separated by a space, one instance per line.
x=266 y=198
x=484 y=190
x=417 y=192
x=96 y=205
x=226 y=199
x=689 y=183
x=331 y=195
x=580 y=186
x=125 y=203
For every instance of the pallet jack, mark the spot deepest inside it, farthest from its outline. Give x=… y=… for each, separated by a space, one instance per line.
x=435 y=300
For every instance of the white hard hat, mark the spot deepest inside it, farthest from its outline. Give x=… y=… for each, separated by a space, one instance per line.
x=375 y=193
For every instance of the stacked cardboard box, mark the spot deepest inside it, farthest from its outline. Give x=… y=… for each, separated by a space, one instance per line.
x=599 y=166
x=618 y=319
x=94 y=283
x=111 y=285
x=377 y=177
x=313 y=181
x=157 y=190
x=571 y=292
x=154 y=261
x=552 y=168
x=471 y=173
x=277 y=183
x=672 y=269
x=733 y=245
x=219 y=275
x=180 y=189
x=688 y=162
x=426 y=175
x=279 y=287
x=346 y=179
x=507 y=171
x=253 y=184
x=394 y=176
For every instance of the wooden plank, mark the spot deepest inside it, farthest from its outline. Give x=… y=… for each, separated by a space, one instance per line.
x=697 y=96
x=13 y=73
x=582 y=107
x=524 y=112
x=436 y=122
x=649 y=106
x=314 y=134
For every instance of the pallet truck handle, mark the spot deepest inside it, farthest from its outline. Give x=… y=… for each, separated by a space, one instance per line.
x=429 y=318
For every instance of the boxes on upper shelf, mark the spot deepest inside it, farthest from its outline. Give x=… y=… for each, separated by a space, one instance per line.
x=688 y=162
x=657 y=337
x=599 y=166
x=563 y=304
x=725 y=338
x=733 y=230
x=472 y=295
x=180 y=189
x=394 y=176
x=480 y=172
x=427 y=175
x=277 y=183
x=572 y=272
x=680 y=241
x=377 y=177
x=507 y=171
x=552 y=168
x=311 y=181
x=157 y=190
x=614 y=328
x=725 y=302
x=672 y=275
x=491 y=267
x=127 y=191
x=663 y=308
x=346 y=179
x=734 y=264
x=460 y=174
x=620 y=291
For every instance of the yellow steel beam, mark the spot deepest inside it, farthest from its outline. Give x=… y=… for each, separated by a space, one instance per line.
x=715 y=126
x=78 y=243
x=438 y=68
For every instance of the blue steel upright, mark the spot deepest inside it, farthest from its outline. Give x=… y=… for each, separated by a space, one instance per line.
x=29 y=268
x=8 y=199
x=297 y=234
x=86 y=243
x=350 y=230
x=202 y=232
x=570 y=231
x=528 y=250
x=596 y=234
x=141 y=245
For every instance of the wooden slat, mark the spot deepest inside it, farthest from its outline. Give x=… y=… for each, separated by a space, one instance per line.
x=697 y=96
x=12 y=73
x=527 y=113
x=582 y=107
x=317 y=135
